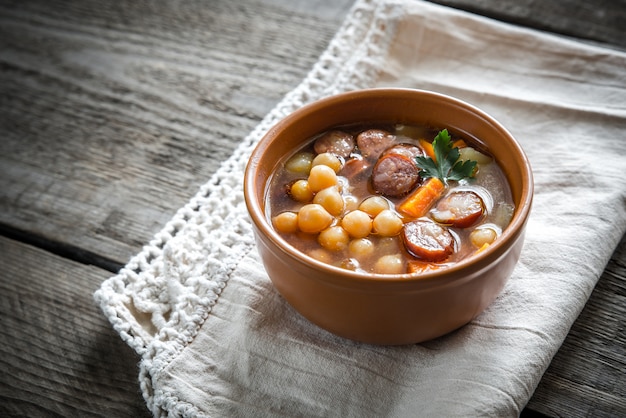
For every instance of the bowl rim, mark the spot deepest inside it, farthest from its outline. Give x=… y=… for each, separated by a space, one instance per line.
x=473 y=264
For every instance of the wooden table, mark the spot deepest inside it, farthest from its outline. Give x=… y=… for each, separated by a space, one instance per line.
x=113 y=113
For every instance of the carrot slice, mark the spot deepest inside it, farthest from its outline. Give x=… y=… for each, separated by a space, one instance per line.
x=419 y=201
x=459 y=143
x=417 y=266
x=428 y=148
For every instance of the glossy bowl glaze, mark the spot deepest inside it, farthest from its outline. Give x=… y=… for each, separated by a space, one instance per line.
x=376 y=308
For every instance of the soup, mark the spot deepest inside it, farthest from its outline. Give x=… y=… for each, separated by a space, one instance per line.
x=389 y=199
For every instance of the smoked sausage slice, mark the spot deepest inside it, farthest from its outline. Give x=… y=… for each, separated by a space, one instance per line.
x=459 y=209
x=394 y=175
x=338 y=143
x=373 y=142
x=427 y=240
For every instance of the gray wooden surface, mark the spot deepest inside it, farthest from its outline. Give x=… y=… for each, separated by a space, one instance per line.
x=113 y=113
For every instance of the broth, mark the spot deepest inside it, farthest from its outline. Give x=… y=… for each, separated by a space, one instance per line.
x=315 y=200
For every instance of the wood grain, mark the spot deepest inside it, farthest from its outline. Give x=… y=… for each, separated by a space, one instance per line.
x=600 y=21
x=112 y=114
x=59 y=355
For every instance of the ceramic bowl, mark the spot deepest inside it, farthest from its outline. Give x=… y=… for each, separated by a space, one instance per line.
x=388 y=309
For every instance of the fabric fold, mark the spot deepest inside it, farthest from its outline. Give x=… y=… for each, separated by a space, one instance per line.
x=217 y=340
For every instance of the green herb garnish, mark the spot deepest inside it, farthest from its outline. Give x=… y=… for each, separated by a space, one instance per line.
x=447 y=165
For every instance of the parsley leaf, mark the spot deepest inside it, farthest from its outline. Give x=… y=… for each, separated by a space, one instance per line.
x=446 y=165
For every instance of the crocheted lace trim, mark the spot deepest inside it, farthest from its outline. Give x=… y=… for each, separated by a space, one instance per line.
x=159 y=300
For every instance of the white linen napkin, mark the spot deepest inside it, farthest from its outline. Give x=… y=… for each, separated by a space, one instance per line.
x=217 y=340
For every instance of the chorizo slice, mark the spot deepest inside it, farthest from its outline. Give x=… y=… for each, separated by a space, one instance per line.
x=338 y=143
x=459 y=209
x=394 y=175
x=373 y=142
x=427 y=240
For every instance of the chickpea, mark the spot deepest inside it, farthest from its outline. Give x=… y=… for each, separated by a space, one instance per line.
x=357 y=223
x=331 y=200
x=334 y=238
x=327 y=159
x=387 y=223
x=483 y=236
x=286 y=222
x=313 y=218
x=373 y=205
x=321 y=177
x=389 y=264
x=361 y=248
x=301 y=191
x=300 y=163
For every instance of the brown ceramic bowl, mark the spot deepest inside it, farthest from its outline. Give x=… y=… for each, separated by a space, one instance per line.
x=376 y=308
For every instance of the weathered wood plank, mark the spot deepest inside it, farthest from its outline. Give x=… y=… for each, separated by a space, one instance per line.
x=58 y=354
x=599 y=21
x=113 y=114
